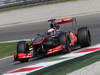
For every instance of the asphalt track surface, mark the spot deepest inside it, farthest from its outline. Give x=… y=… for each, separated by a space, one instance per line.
x=29 y=30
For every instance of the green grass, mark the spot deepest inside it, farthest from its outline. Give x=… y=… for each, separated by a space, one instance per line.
x=34 y=4
x=72 y=66
x=7 y=49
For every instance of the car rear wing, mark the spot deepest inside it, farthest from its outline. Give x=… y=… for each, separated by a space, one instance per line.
x=64 y=20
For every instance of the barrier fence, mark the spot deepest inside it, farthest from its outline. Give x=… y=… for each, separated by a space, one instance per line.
x=12 y=3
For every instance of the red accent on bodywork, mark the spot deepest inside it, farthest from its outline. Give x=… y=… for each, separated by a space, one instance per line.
x=24 y=55
x=65 y=20
x=35 y=43
x=26 y=69
x=21 y=55
x=56 y=49
x=88 y=50
x=73 y=38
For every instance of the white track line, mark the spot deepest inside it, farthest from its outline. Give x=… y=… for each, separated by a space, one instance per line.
x=15 y=40
x=5 y=58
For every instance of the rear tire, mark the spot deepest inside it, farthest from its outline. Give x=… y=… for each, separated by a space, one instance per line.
x=84 y=37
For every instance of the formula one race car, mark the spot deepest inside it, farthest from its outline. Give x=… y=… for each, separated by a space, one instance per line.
x=45 y=44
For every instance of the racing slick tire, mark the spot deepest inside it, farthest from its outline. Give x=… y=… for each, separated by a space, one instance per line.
x=84 y=37
x=64 y=41
x=23 y=47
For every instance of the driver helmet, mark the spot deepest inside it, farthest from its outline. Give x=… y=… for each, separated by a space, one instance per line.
x=51 y=31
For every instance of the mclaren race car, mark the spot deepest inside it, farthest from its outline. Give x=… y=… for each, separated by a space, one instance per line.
x=53 y=41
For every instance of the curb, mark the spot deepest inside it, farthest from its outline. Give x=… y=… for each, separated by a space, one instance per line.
x=44 y=70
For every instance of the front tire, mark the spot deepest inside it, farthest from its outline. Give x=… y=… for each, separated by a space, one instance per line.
x=23 y=47
x=24 y=60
